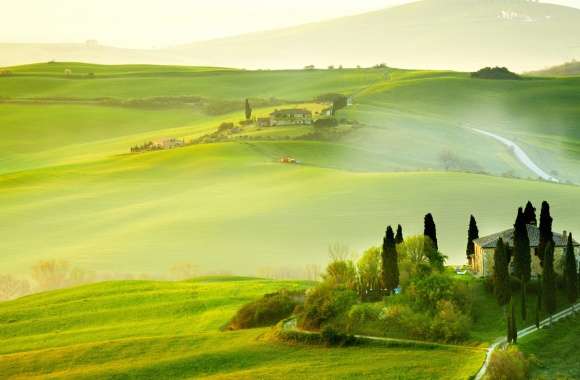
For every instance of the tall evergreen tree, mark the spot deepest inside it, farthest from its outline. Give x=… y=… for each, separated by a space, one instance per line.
x=431 y=231
x=514 y=325
x=570 y=272
x=390 y=262
x=399 y=237
x=549 y=283
x=546 y=235
x=539 y=302
x=530 y=214
x=472 y=234
x=501 y=277
x=248 y=110
x=522 y=257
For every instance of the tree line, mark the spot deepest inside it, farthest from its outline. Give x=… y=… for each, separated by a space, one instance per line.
x=517 y=261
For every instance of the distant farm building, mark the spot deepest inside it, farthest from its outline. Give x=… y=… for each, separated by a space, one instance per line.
x=263 y=122
x=482 y=260
x=294 y=116
x=168 y=143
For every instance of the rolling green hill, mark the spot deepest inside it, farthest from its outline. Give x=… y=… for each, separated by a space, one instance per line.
x=69 y=183
x=232 y=206
x=419 y=115
x=170 y=330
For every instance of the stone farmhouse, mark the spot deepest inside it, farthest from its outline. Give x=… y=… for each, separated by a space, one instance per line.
x=482 y=261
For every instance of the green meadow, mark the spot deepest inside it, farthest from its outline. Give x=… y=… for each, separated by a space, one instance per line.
x=554 y=350
x=208 y=203
x=170 y=330
x=69 y=189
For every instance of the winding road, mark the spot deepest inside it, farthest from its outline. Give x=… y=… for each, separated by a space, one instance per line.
x=520 y=155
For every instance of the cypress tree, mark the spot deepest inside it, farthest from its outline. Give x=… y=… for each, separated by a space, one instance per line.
x=399 y=237
x=472 y=234
x=431 y=231
x=501 y=278
x=248 y=110
x=509 y=323
x=570 y=272
x=546 y=235
x=390 y=262
x=549 y=283
x=522 y=257
x=530 y=214
x=539 y=303
x=514 y=325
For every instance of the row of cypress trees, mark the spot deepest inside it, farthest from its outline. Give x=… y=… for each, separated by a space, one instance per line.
x=520 y=253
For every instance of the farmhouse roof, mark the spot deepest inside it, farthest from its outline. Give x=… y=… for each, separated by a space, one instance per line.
x=292 y=111
x=490 y=241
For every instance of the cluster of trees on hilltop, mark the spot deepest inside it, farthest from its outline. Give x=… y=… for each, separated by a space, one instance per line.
x=495 y=73
x=419 y=299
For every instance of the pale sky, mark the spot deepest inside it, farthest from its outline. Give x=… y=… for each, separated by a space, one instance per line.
x=161 y=23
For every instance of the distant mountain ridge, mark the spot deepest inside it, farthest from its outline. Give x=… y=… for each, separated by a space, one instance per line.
x=567 y=69
x=450 y=34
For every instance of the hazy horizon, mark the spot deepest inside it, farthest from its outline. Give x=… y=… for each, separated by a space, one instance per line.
x=170 y=22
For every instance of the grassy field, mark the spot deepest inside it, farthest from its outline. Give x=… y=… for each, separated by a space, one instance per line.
x=69 y=190
x=232 y=206
x=411 y=117
x=170 y=330
x=555 y=350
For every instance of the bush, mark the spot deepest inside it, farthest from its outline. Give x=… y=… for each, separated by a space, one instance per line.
x=449 y=323
x=325 y=123
x=427 y=292
x=332 y=337
x=508 y=364
x=266 y=311
x=324 y=303
x=364 y=313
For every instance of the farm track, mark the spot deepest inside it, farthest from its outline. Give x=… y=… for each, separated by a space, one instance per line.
x=520 y=155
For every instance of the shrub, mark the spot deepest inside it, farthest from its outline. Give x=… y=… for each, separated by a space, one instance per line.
x=266 y=311
x=332 y=337
x=508 y=364
x=325 y=122
x=364 y=313
x=323 y=303
x=449 y=323
x=341 y=273
x=428 y=291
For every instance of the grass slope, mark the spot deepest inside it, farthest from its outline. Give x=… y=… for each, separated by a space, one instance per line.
x=555 y=350
x=233 y=206
x=167 y=330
